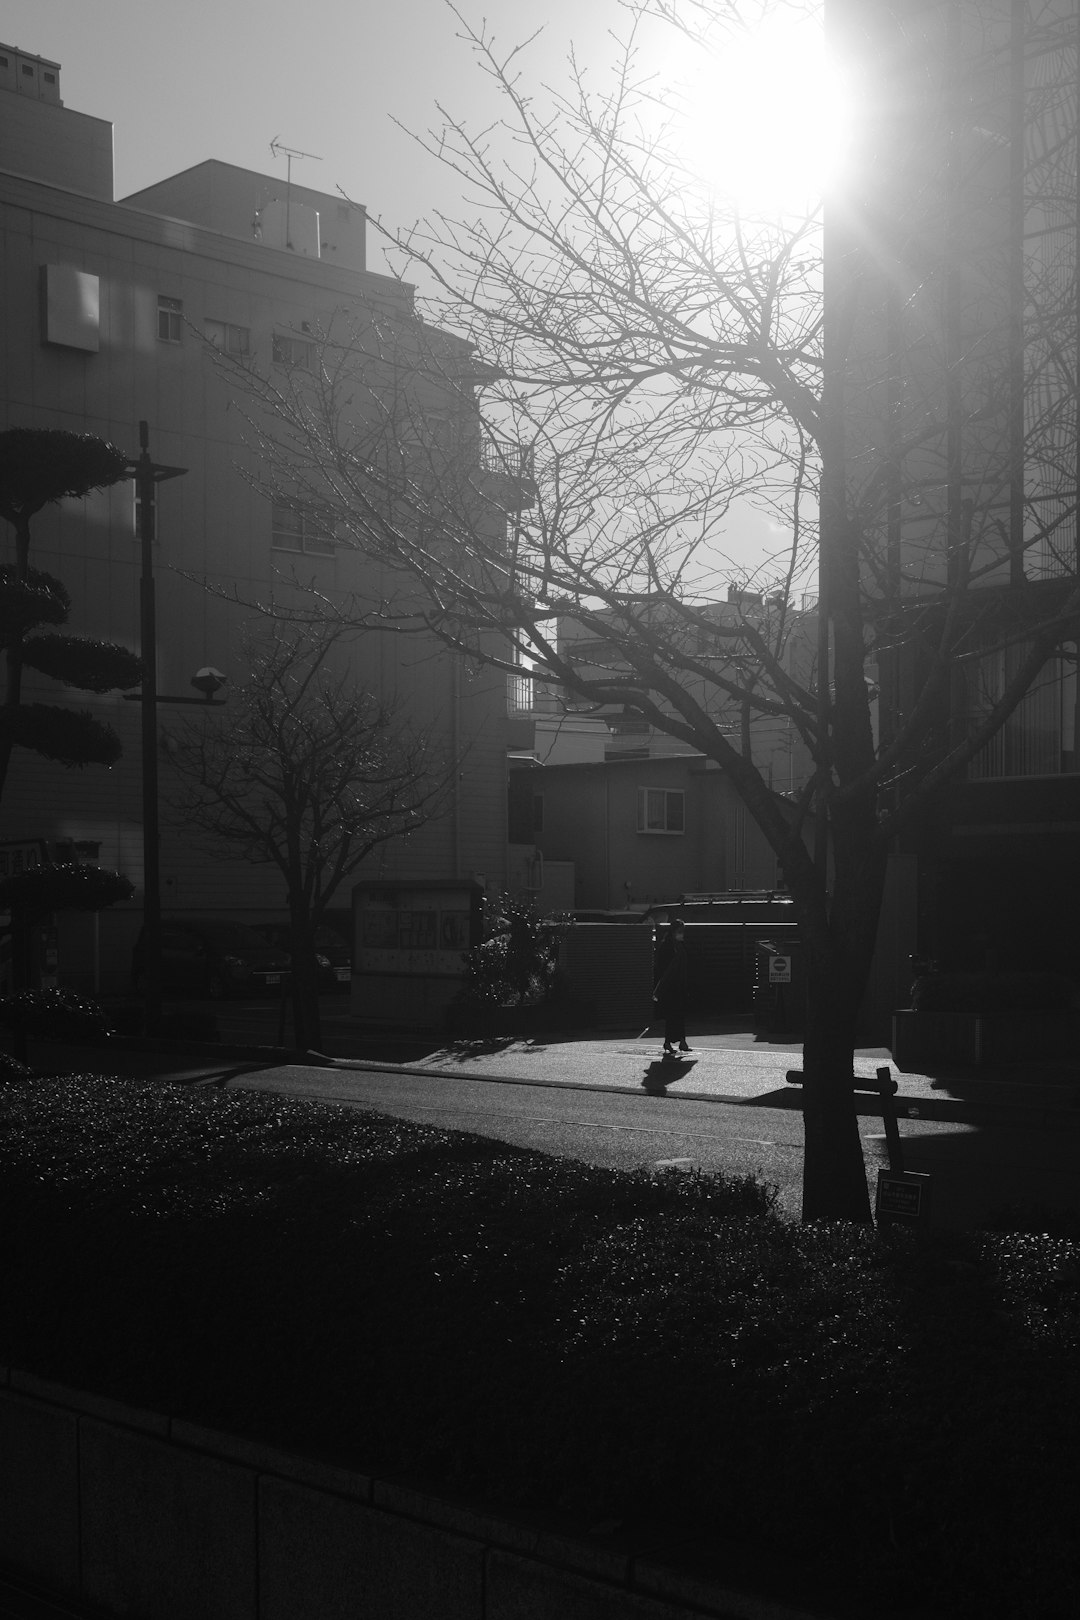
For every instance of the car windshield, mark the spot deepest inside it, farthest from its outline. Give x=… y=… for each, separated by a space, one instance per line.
x=329 y=936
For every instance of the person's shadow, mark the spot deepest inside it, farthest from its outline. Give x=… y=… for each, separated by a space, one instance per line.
x=660 y=1074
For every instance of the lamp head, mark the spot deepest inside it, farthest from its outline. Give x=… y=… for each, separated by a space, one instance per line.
x=208 y=681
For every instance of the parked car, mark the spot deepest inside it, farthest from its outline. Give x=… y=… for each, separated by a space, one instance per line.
x=213 y=956
x=332 y=952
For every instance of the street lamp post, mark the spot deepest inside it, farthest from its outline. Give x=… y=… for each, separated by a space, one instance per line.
x=148 y=474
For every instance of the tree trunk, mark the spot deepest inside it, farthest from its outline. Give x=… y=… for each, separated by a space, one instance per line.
x=14 y=657
x=834 y=1174
x=307 y=1028
x=838 y=938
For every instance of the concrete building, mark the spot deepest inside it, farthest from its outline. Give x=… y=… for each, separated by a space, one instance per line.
x=952 y=330
x=556 y=725
x=636 y=832
x=111 y=313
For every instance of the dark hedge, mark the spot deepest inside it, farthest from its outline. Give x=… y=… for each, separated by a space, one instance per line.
x=64 y=886
x=70 y=736
x=56 y=1013
x=80 y=661
x=894 y=1422
x=39 y=465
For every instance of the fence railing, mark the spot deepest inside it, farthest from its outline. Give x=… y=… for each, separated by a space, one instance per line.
x=511 y=460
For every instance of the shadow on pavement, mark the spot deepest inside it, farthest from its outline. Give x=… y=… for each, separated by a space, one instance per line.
x=663 y=1072
x=464 y=1051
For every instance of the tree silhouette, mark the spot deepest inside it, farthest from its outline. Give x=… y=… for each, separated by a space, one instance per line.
x=308 y=774
x=661 y=357
x=39 y=466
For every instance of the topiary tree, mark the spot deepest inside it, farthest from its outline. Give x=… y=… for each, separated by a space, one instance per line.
x=31 y=896
x=39 y=466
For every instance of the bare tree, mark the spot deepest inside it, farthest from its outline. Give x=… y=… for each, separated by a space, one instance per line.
x=649 y=357
x=310 y=774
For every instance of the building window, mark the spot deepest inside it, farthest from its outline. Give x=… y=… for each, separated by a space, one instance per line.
x=660 y=810
x=293 y=530
x=290 y=351
x=227 y=337
x=170 y=319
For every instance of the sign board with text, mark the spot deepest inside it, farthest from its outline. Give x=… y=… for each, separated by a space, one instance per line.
x=903 y=1195
x=779 y=969
x=22 y=855
x=409 y=944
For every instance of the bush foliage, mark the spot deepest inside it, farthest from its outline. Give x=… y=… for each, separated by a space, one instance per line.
x=899 y=1418
x=516 y=964
x=39 y=465
x=56 y=1014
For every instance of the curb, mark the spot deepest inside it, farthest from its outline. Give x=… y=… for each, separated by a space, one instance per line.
x=270 y=1055
x=1040 y=1116
x=984 y=1111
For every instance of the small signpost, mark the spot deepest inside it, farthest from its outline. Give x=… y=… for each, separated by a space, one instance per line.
x=779 y=969
x=903 y=1195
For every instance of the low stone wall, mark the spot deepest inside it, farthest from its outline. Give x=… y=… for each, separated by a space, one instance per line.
x=983 y=1040
x=141 y=1514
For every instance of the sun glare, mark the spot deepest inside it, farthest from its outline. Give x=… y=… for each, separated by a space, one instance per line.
x=765 y=118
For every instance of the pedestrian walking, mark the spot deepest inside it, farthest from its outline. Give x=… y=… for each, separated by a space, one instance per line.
x=669 y=992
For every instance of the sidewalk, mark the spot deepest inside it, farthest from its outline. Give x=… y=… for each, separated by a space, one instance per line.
x=734 y=1067
x=730 y=1066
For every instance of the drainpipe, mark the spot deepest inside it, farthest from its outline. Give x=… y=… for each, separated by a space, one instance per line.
x=607 y=841
x=455 y=749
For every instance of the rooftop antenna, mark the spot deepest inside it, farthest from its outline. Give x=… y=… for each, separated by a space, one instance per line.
x=290 y=153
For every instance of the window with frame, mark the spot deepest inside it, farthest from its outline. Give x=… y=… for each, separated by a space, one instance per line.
x=661 y=810
x=294 y=530
x=292 y=351
x=228 y=337
x=170 y=319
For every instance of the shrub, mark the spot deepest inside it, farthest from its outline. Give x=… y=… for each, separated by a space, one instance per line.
x=54 y=1014
x=896 y=1412
x=516 y=964
x=12 y=1071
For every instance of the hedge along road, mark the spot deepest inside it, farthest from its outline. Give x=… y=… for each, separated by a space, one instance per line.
x=975 y=1169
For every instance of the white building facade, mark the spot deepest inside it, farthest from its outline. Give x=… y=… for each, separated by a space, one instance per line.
x=110 y=315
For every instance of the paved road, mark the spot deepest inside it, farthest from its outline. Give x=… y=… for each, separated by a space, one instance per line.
x=986 y=1142
x=975 y=1168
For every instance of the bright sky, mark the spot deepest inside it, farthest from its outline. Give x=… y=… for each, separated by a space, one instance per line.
x=193 y=79
x=186 y=80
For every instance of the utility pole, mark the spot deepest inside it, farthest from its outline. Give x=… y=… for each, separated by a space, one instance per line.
x=148 y=475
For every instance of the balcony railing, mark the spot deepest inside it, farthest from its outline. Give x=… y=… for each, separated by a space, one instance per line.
x=511 y=460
